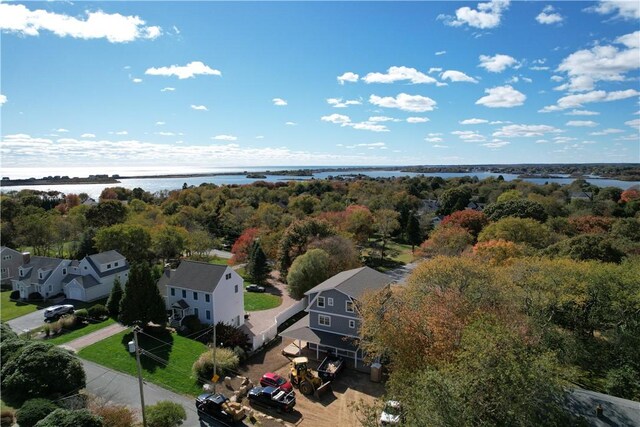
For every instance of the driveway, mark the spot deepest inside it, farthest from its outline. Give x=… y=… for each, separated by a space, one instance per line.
x=28 y=321
x=400 y=274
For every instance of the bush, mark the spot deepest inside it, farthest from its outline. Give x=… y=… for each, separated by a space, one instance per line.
x=6 y=333
x=67 y=418
x=192 y=323
x=242 y=355
x=10 y=347
x=33 y=411
x=165 y=414
x=35 y=296
x=623 y=382
x=6 y=417
x=68 y=321
x=115 y=415
x=14 y=295
x=82 y=314
x=98 y=311
x=231 y=336
x=226 y=361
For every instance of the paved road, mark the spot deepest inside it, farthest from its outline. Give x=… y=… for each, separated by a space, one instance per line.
x=220 y=254
x=400 y=274
x=28 y=321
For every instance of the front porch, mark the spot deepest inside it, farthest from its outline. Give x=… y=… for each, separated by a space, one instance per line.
x=179 y=310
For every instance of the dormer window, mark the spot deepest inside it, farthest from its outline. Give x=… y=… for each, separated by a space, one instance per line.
x=349 y=307
x=108 y=265
x=21 y=272
x=115 y=264
x=40 y=275
x=64 y=271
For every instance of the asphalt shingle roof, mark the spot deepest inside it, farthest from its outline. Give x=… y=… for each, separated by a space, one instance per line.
x=354 y=282
x=199 y=276
x=36 y=263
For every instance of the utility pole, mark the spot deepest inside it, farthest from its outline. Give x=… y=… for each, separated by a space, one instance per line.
x=215 y=376
x=136 y=329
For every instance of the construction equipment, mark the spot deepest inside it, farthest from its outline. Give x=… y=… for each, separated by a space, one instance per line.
x=307 y=381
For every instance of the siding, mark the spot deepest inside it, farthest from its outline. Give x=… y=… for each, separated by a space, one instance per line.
x=339 y=323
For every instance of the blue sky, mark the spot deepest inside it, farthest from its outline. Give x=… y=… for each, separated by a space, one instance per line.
x=213 y=84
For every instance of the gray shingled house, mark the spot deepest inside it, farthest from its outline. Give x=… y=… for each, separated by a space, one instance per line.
x=333 y=322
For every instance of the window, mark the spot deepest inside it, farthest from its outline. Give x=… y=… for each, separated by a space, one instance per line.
x=207 y=298
x=330 y=302
x=108 y=265
x=184 y=293
x=195 y=312
x=320 y=302
x=352 y=324
x=85 y=267
x=195 y=296
x=227 y=276
x=6 y=257
x=40 y=275
x=238 y=320
x=236 y=289
x=64 y=271
x=324 y=320
x=115 y=264
x=349 y=307
x=50 y=289
x=4 y=270
x=173 y=292
x=208 y=314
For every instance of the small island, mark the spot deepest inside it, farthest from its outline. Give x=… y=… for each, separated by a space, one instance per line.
x=60 y=180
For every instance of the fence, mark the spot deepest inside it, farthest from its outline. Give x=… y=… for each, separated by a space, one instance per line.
x=272 y=331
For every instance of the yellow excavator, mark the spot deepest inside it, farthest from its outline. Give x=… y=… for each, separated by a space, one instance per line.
x=307 y=381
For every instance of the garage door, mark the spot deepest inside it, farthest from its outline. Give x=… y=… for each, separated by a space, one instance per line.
x=75 y=293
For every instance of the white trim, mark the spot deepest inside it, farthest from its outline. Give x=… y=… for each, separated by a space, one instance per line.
x=346 y=304
x=352 y=322
x=323 y=302
x=327 y=317
x=334 y=314
x=329 y=302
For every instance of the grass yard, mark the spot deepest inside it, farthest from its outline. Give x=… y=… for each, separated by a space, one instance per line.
x=12 y=309
x=219 y=261
x=404 y=254
x=176 y=353
x=77 y=333
x=254 y=301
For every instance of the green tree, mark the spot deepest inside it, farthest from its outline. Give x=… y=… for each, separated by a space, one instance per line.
x=106 y=213
x=6 y=333
x=296 y=238
x=386 y=222
x=35 y=230
x=518 y=230
x=87 y=243
x=587 y=247
x=33 y=410
x=170 y=242
x=307 y=271
x=413 y=232
x=343 y=254
x=454 y=199
x=518 y=208
x=113 y=303
x=141 y=302
x=67 y=418
x=257 y=267
x=165 y=414
x=41 y=370
x=132 y=241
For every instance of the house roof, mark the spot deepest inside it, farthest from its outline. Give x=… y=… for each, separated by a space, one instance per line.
x=105 y=257
x=182 y=304
x=101 y=258
x=195 y=275
x=301 y=331
x=84 y=281
x=615 y=411
x=36 y=263
x=354 y=283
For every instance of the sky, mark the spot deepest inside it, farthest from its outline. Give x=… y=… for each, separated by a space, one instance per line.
x=192 y=85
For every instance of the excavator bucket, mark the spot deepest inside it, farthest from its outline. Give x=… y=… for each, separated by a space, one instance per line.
x=324 y=388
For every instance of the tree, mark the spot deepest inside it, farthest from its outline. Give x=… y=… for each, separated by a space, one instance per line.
x=87 y=243
x=518 y=230
x=41 y=370
x=518 y=208
x=590 y=224
x=343 y=254
x=106 y=213
x=296 y=238
x=170 y=242
x=132 y=241
x=497 y=252
x=469 y=219
x=307 y=271
x=454 y=199
x=113 y=303
x=448 y=240
x=141 y=302
x=243 y=245
x=257 y=267
x=6 y=333
x=10 y=347
x=67 y=418
x=33 y=410
x=35 y=230
x=165 y=414
x=359 y=222
x=587 y=247
x=509 y=195
x=413 y=232
x=386 y=222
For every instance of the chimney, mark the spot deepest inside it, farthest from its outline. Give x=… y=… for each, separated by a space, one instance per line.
x=26 y=258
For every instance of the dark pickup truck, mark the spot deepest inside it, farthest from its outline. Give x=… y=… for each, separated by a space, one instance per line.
x=273 y=398
x=330 y=367
x=217 y=406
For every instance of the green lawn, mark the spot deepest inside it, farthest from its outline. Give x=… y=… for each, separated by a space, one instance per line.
x=254 y=301
x=404 y=254
x=70 y=336
x=11 y=309
x=219 y=261
x=178 y=352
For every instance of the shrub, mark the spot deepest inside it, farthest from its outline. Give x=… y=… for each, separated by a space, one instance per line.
x=226 y=362
x=165 y=414
x=97 y=311
x=67 y=418
x=9 y=347
x=6 y=333
x=231 y=336
x=14 y=295
x=115 y=415
x=239 y=351
x=623 y=382
x=6 y=417
x=35 y=296
x=46 y=328
x=68 y=321
x=82 y=314
x=34 y=410
x=192 y=323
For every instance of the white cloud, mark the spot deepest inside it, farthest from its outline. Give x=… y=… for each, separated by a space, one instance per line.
x=582 y=113
x=168 y=89
x=336 y=118
x=608 y=131
x=487 y=15
x=635 y=123
x=457 y=76
x=497 y=63
x=370 y=146
x=260 y=137
x=473 y=121
x=338 y=103
x=136 y=80
x=496 y=143
x=575 y=101
x=539 y=68
x=433 y=139
x=3 y=99
x=348 y=77
x=502 y=97
x=87 y=135
x=225 y=137
x=469 y=136
x=440 y=146
x=165 y=133
x=601 y=63
x=581 y=123
x=395 y=74
x=413 y=103
x=417 y=119
x=160 y=123
x=279 y=102
x=623 y=9
x=382 y=119
x=441 y=52
x=525 y=131
x=434 y=70
x=372 y=126
x=199 y=107
x=549 y=16
x=61 y=130
x=116 y=28
x=120 y=132
x=291 y=123
x=190 y=70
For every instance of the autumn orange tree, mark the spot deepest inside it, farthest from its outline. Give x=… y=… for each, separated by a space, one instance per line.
x=469 y=219
x=446 y=240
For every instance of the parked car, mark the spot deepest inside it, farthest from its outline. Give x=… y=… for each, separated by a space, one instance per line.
x=255 y=288
x=271 y=379
x=391 y=413
x=55 y=311
x=219 y=407
x=272 y=397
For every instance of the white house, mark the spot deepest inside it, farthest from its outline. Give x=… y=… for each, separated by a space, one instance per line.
x=212 y=293
x=11 y=261
x=86 y=280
